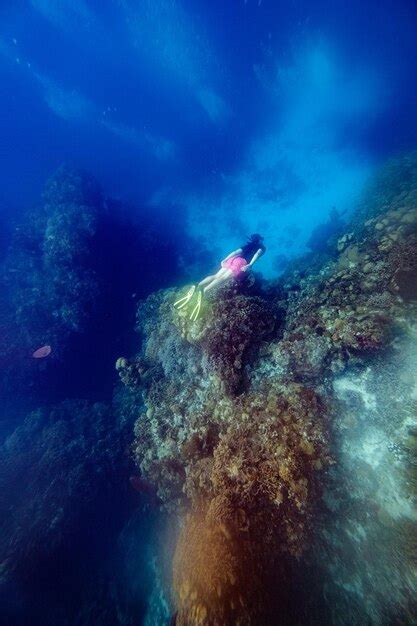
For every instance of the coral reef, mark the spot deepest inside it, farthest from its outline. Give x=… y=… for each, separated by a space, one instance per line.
x=60 y=465
x=46 y=272
x=75 y=266
x=247 y=319
x=64 y=496
x=242 y=424
x=260 y=488
x=247 y=460
x=366 y=541
x=68 y=284
x=51 y=290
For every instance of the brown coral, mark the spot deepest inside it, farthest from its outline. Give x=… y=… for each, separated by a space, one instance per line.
x=217 y=578
x=230 y=341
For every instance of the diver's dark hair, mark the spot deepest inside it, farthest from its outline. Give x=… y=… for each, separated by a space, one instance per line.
x=256 y=237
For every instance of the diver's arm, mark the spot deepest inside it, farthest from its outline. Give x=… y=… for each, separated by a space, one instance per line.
x=255 y=257
x=234 y=253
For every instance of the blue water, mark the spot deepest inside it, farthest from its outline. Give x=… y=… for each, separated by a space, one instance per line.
x=201 y=121
x=219 y=107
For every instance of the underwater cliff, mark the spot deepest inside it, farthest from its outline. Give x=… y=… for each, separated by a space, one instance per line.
x=76 y=263
x=255 y=465
x=279 y=430
x=74 y=542
x=276 y=435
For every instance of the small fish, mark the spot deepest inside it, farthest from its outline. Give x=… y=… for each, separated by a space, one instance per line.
x=42 y=352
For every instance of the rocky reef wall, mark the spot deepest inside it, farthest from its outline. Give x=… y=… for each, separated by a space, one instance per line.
x=74 y=538
x=74 y=268
x=367 y=540
x=294 y=489
x=64 y=497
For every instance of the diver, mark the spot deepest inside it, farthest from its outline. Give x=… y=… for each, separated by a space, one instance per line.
x=234 y=265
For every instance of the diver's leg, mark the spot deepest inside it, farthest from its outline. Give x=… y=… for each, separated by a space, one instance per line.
x=209 y=279
x=206 y=280
x=219 y=280
x=222 y=275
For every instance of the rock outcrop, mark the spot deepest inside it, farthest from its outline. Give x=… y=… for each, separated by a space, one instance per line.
x=294 y=488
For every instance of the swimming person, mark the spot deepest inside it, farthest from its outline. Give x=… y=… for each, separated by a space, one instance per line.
x=233 y=266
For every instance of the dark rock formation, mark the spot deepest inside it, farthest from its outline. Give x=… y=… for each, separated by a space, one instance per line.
x=75 y=267
x=64 y=496
x=69 y=281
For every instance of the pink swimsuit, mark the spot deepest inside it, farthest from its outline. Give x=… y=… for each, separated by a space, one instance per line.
x=235 y=263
